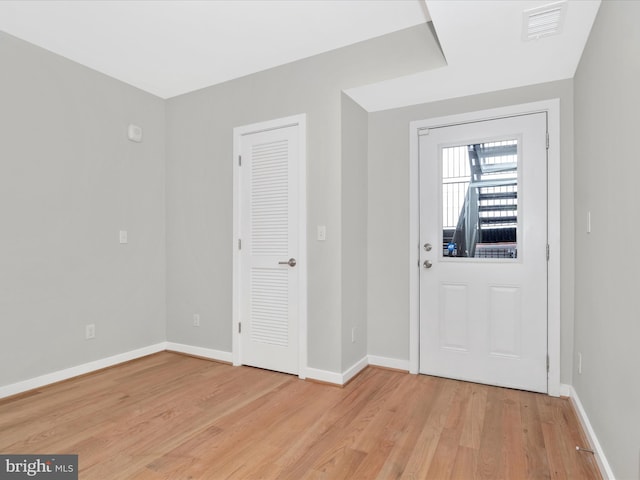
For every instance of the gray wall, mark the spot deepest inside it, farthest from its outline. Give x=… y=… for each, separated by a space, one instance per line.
x=69 y=181
x=388 y=224
x=607 y=326
x=199 y=187
x=355 y=127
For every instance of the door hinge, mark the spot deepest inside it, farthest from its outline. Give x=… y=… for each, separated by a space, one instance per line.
x=240 y=158
x=547 y=363
x=547 y=252
x=239 y=244
x=239 y=327
x=547 y=140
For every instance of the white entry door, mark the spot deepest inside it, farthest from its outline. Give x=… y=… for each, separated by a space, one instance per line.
x=269 y=247
x=483 y=260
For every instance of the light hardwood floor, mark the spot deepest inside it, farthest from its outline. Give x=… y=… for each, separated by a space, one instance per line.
x=169 y=416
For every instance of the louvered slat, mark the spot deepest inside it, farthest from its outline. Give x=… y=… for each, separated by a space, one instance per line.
x=269 y=306
x=269 y=199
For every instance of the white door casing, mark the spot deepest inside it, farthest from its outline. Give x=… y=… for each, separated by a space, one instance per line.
x=484 y=318
x=269 y=297
x=551 y=108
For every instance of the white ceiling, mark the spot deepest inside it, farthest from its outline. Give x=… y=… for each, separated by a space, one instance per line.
x=170 y=47
x=482 y=42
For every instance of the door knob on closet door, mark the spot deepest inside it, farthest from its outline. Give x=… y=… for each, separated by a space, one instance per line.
x=427 y=264
x=291 y=262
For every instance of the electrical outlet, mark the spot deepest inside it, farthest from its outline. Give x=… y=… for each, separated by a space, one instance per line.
x=90 y=331
x=353 y=335
x=124 y=236
x=580 y=363
x=196 y=319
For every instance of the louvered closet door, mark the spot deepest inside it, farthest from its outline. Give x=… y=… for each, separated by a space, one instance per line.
x=269 y=318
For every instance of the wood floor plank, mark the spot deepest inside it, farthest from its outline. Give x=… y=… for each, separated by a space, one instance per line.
x=366 y=425
x=442 y=464
x=492 y=437
x=464 y=463
x=288 y=441
x=343 y=416
x=419 y=399
x=537 y=464
x=474 y=419
x=560 y=434
x=341 y=467
x=385 y=433
x=513 y=463
x=251 y=446
x=173 y=417
x=419 y=463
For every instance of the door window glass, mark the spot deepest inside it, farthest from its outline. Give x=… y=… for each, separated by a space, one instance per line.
x=480 y=200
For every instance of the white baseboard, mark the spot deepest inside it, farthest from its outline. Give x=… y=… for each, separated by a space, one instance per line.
x=565 y=390
x=343 y=378
x=395 y=363
x=49 y=378
x=603 y=464
x=209 y=353
x=324 y=376
x=355 y=369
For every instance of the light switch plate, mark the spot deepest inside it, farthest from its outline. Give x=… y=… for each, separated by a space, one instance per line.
x=322 y=233
x=124 y=236
x=90 y=331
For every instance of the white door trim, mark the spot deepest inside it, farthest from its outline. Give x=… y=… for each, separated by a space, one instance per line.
x=552 y=107
x=238 y=133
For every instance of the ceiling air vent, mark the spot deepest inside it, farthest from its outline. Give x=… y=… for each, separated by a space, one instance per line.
x=543 y=21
